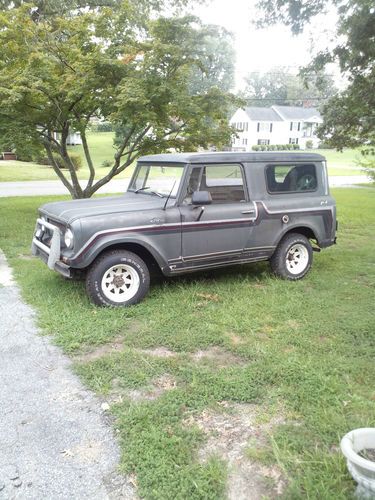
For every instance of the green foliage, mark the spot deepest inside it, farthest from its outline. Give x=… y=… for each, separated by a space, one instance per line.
x=74 y=158
x=275 y=147
x=349 y=120
x=104 y=127
x=309 y=144
x=279 y=86
x=215 y=64
x=287 y=355
x=116 y=62
x=367 y=163
x=106 y=164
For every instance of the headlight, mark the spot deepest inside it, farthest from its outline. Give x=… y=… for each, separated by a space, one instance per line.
x=68 y=238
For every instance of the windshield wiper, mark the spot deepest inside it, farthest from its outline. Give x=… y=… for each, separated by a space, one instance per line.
x=152 y=192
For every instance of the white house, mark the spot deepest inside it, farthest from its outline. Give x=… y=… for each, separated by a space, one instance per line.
x=275 y=125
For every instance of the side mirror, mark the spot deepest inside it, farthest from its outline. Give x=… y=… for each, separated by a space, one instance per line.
x=201 y=198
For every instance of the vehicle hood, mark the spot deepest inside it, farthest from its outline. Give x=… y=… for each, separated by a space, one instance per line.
x=69 y=211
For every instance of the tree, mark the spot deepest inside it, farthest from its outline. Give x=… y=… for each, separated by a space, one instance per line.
x=349 y=117
x=279 y=86
x=59 y=72
x=216 y=62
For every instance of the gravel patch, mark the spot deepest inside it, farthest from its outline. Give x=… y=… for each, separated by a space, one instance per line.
x=55 y=442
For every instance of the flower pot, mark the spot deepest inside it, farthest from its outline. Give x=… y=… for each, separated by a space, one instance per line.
x=361 y=469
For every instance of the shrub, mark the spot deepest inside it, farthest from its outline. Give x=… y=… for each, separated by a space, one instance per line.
x=75 y=158
x=106 y=164
x=296 y=146
x=325 y=145
x=104 y=127
x=255 y=147
x=367 y=163
x=309 y=144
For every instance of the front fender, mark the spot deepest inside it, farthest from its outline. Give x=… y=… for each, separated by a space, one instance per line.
x=95 y=247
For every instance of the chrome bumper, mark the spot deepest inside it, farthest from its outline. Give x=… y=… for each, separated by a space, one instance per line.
x=54 y=250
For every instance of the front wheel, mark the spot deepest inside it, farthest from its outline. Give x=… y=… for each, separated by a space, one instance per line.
x=118 y=278
x=293 y=257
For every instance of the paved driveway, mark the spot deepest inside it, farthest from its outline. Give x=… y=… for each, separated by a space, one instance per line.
x=40 y=188
x=54 y=439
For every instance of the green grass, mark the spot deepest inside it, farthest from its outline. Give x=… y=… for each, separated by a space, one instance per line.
x=306 y=347
x=101 y=147
x=101 y=144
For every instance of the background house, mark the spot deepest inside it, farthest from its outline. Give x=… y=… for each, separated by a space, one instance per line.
x=275 y=125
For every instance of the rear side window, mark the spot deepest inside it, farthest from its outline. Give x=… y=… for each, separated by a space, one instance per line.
x=291 y=178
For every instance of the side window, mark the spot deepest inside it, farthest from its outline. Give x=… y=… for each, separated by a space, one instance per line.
x=224 y=182
x=291 y=178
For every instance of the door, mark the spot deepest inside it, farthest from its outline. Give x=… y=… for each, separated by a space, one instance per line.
x=216 y=233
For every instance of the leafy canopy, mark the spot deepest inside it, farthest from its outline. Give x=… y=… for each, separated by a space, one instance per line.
x=349 y=116
x=58 y=72
x=279 y=86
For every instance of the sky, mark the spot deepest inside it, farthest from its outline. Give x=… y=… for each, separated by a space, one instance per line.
x=260 y=50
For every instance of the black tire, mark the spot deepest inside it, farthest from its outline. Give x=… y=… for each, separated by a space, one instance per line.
x=133 y=267
x=289 y=249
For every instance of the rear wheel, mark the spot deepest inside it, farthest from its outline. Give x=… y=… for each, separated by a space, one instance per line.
x=293 y=257
x=118 y=278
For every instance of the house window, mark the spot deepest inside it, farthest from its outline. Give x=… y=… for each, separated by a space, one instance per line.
x=244 y=142
x=264 y=127
x=293 y=140
x=295 y=126
x=263 y=142
x=291 y=178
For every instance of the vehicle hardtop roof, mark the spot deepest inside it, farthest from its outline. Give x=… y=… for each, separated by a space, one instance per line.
x=232 y=157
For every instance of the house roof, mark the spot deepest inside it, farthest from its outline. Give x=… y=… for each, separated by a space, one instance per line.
x=296 y=112
x=231 y=157
x=262 y=114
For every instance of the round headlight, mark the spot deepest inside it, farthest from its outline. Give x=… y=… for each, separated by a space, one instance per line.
x=68 y=238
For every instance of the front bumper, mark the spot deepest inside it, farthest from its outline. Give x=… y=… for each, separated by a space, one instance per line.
x=50 y=254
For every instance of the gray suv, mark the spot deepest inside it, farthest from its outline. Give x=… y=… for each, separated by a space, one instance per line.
x=191 y=212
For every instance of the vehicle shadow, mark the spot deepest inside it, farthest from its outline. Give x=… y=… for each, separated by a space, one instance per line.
x=251 y=272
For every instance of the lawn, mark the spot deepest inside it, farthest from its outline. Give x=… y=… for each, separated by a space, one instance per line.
x=298 y=356
x=102 y=149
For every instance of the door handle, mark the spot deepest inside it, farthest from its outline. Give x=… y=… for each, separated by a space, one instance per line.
x=248 y=212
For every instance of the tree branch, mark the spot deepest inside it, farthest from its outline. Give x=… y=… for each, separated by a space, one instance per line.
x=116 y=169
x=57 y=170
x=88 y=158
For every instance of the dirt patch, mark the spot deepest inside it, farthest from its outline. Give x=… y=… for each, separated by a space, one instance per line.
x=25 y=256
x=219 y=356
x=228 y=434
x=159 y=352
x=236 y=339
x=116 y=345
x=158 y=386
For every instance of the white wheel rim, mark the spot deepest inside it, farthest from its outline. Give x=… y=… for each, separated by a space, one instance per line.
x=120 y=283
x=297 y=258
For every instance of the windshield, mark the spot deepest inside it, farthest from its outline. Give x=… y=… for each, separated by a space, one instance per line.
x=159 y=180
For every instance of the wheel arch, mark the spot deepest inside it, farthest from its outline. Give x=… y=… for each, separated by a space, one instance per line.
x=305 y=230
x=144 y=253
